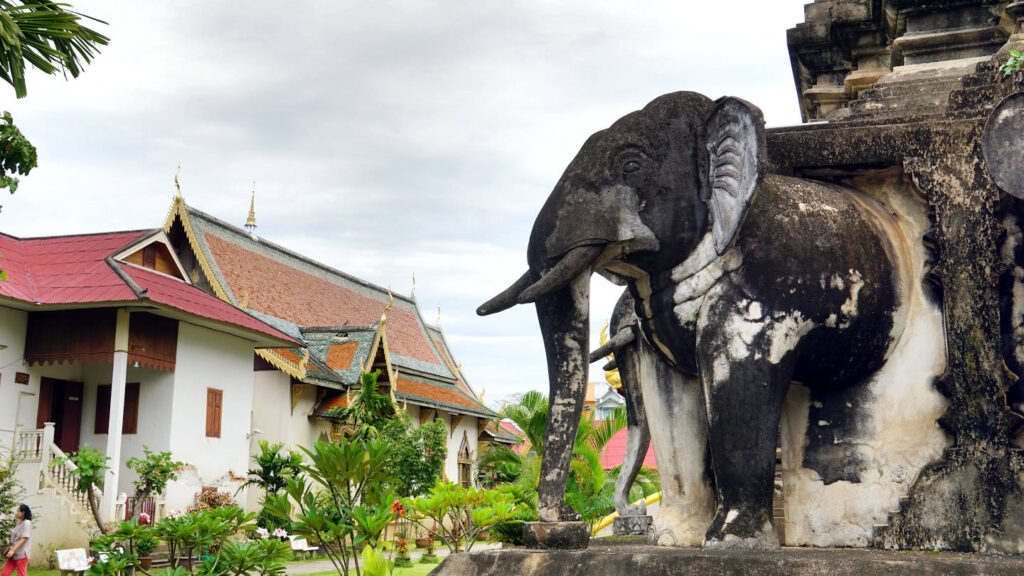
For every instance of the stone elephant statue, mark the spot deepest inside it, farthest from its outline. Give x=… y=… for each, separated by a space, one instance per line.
x=626 y=342
x=742 y=280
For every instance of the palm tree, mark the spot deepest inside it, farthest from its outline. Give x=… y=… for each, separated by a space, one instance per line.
x=590 y=489
x=368 y=410
x=46 y=35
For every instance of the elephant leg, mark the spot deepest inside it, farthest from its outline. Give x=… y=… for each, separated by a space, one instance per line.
x=675 y=414
x=638 y=434
x=744 y=390
x=564 y=318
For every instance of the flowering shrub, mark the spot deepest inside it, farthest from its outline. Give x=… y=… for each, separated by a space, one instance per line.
x=262 y=533
x=280 y=533
x=144 y=519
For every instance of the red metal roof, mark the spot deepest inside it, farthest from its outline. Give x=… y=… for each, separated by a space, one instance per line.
x=615 y=451
x=73 y=270
x=175 y=293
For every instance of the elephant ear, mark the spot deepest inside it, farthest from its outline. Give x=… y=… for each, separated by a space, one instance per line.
x=736 y=163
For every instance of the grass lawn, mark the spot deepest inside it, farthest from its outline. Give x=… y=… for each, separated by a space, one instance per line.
x=415 y=570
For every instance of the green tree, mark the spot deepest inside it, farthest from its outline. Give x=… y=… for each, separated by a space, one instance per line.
x=590 y=489
x=274 y=465
x=342 y=498
x=90 y=468
x=11 y=492
x=46 y=35
x=154 y=470
x=418 y=453
x=368 y=411
x=50 y=37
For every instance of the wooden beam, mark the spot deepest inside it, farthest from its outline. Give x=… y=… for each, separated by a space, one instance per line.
x=456 y=419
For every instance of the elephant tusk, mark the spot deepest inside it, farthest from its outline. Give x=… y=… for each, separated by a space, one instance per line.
x=621 y=338
x=508 y=298
x=569 y=267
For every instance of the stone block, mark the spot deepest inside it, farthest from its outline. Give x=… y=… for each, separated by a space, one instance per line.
x=608 y=557
x=631 y=525
x=556 y=535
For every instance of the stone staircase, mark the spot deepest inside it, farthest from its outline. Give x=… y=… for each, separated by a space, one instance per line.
x=64 y=517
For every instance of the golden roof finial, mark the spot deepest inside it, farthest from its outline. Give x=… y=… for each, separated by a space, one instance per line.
x=438 y=314
x=250 y=222
x=413 y=293
x=391 y=301
x=176 y=184
x=482 y=392
x=612 y=376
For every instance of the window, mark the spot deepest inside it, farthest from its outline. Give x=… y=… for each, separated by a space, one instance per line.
x=214 y=403
x=465 y=463
x=130 y=424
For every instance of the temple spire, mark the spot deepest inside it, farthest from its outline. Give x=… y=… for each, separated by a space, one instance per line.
x=250 y=222
x=177 y=186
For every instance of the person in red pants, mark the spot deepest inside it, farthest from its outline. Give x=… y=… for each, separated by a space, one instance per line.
x=21 y=543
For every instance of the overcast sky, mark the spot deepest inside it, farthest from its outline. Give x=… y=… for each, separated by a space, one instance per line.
x=385 y=138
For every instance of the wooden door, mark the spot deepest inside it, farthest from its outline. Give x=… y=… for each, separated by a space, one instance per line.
x=44 y=412
x=71 y=412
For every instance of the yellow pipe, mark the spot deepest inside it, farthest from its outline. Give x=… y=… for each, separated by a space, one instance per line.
x=607 y=520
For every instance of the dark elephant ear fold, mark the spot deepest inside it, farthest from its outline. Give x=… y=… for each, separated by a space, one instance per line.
x=736 y=163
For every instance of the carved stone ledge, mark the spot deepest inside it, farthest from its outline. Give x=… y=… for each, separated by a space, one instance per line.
x=632 y=525
x=556 y=535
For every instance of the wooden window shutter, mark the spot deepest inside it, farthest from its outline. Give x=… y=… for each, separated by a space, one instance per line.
x=214 y=404
x=130 y=422
x=102 y=409
x=131 y=409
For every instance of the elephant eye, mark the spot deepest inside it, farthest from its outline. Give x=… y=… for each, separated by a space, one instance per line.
x=631 y=166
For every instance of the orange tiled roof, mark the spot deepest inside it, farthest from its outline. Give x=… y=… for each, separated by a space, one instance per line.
x=340 y=356
x=276 y=288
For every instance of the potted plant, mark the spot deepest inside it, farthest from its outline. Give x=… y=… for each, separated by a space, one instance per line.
x=145 y=543
x=402 y=559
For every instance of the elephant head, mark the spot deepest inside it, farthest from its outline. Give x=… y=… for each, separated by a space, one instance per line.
x=664 y=184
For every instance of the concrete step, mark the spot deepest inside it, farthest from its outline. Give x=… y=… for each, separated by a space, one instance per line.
x=910 y=89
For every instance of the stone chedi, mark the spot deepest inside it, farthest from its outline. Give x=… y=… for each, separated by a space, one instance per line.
x=854 y=284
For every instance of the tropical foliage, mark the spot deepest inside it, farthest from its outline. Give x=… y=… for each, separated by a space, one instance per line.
x=418 y=453
x=1013 y=63
x=458 y=514
x=368 y=411
x=154 y=470
x=340 y=498
x=11 y=492
x=90 y=468
x=46 y=35
x=274 y=465
x=209 y=535
x=590 y=489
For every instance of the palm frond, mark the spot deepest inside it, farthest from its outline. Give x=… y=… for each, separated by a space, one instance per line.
x=48 y=36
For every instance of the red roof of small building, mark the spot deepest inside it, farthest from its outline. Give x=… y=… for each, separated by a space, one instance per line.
x=615 y=451
x=74 y=270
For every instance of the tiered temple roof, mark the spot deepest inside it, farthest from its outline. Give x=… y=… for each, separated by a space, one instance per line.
x=346 y=325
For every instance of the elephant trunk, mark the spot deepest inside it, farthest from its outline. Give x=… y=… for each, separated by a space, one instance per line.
x=564 y=317
x=574 y=263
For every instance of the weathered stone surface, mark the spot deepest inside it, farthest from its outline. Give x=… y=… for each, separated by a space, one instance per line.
x=556 y=535
x=631 y=525
x=1001 y=144
x=637 y=560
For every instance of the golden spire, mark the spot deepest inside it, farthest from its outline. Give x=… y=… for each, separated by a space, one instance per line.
x=413 y=293
x=612 y=376
x=438 y=323
x=391 y=301
x=176 y=185
x=250 y=222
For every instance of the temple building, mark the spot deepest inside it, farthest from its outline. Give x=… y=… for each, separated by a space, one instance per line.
x=202 y=339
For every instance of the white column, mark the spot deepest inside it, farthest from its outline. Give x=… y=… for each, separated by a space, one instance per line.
x=44 y=451
x=117 y=385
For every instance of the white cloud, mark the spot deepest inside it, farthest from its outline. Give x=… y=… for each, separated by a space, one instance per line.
x=385 y=138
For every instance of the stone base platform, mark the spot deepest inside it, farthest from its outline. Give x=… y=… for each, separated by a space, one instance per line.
x=627 y=557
